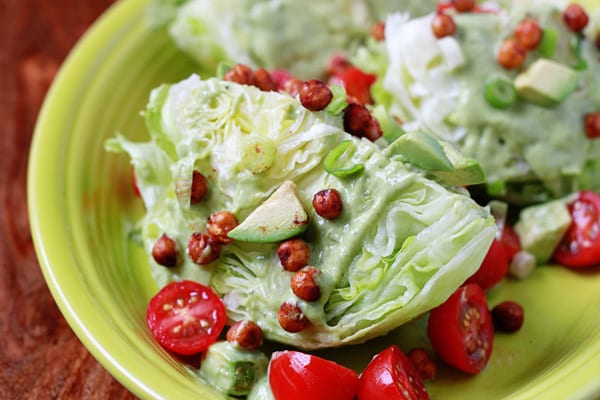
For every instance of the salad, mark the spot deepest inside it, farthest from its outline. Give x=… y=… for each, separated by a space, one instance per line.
x=321 y=197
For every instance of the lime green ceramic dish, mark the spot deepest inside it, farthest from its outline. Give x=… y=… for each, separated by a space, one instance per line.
x=82 y=210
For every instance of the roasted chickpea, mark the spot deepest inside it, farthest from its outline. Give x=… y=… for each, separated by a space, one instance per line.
x=528 y=34
x=202 y=249
x=304 y=285
x=592 y=125
x=245 y=334
x=199 y=187
x=598 y=41
x=293 y=254
x=359 y=122
x=463 y=5
x=264 y=81
x=164 y=251
x=291 y=318
x=315 y=95
x=423 y=363
x=378 y=31
x=443 y=25
x=240 y=73
x=219 y=225
x=575 y=17
x=511 y=54
x=328 y=203
x=508 y=316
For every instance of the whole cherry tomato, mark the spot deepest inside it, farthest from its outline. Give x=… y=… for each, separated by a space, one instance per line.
x=580 y=246
x=461 y=330
x=294 y=375
x=511 y=241
x=186 y=317
x=493 y=267
x=390 y=375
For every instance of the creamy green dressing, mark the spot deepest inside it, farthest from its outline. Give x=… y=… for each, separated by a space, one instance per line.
x=531 y=153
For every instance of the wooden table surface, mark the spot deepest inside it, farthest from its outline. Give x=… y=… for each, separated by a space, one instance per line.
x=40 y=357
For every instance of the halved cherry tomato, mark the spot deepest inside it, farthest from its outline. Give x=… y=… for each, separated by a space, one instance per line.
x=580 y=247
x=357 y=84
x=186 y=317
x=390 y=375
x=461 y=330
x=510 y=240
x=493 y=267
x=294 y=375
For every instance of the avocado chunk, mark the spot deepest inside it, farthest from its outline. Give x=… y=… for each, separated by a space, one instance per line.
x=261 y=390
x=541 y=228
x=280 y=217
x=546 y=82
x=231 y=369
x=421 y=150
x=465 y=170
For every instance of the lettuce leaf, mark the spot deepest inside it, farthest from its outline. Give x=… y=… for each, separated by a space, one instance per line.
x=401 y=246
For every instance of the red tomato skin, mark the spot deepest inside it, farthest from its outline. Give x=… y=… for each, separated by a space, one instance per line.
x=580 y=246
x=136 y=189
x=449 y=334
x=511 y=241
x=206 y=305
x=390 y=375
x=294 y=375
x=281 y=76
x=358 y=84
x=493 y=267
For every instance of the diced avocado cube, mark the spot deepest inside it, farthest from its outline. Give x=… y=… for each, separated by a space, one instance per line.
x=280 y=217
x=231 y=369
x=421 y=150
x=465 y=170
x=541 y=228
x=546 y=82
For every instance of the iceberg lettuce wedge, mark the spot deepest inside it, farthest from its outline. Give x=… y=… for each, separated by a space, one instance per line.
x=402 y=244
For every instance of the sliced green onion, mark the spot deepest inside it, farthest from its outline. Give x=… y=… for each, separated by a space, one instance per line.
x=258 y=154
x=500 y=93
x=547 y=46
x=339 y=102
x=334 y=161
x=577 y=50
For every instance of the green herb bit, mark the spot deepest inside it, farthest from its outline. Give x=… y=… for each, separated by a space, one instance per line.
x=500 y=93
x=577 y=50
x=547 y=46
x=336 y=158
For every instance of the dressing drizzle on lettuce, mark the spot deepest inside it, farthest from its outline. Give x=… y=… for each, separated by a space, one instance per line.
x=401 y=246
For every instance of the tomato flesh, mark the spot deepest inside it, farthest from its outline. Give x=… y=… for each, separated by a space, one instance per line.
x=390 y=375
x=294 y=375
x=461 y=331
x=580 y=246
x=493 y=267
x=357 y=84
x=186 y=317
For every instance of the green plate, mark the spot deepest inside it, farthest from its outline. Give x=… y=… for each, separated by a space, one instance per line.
x=82 y=208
